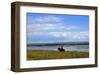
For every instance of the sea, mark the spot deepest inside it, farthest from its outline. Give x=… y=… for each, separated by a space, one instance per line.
x=76 y=47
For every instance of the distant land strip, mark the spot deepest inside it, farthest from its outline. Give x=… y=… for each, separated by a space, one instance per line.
x=62 y=43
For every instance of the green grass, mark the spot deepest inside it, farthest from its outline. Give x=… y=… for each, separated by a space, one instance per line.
x=44 y=54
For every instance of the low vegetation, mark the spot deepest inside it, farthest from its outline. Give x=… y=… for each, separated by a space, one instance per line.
x=44 y=54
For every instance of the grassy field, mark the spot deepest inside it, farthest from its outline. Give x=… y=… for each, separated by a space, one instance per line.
x=43 y=55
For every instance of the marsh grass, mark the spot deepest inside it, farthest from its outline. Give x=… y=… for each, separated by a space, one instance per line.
x=44 y=54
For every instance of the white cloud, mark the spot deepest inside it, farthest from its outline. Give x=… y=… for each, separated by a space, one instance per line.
x=46 y=27
x=74 y=35
x=63 y=36
x=48 y=18
x=49 y=23
x=70 y=34
x=56 y=35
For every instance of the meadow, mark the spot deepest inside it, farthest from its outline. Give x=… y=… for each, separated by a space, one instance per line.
x=45 y=54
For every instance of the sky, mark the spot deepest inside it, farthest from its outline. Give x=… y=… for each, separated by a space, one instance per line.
x=53 y=28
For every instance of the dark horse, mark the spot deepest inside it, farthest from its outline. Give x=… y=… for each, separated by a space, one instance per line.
x=61 y=49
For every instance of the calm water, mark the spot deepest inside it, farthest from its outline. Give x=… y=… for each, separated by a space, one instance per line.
x=83 y=48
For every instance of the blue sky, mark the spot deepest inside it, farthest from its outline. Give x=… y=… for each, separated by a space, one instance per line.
x=51 y=28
